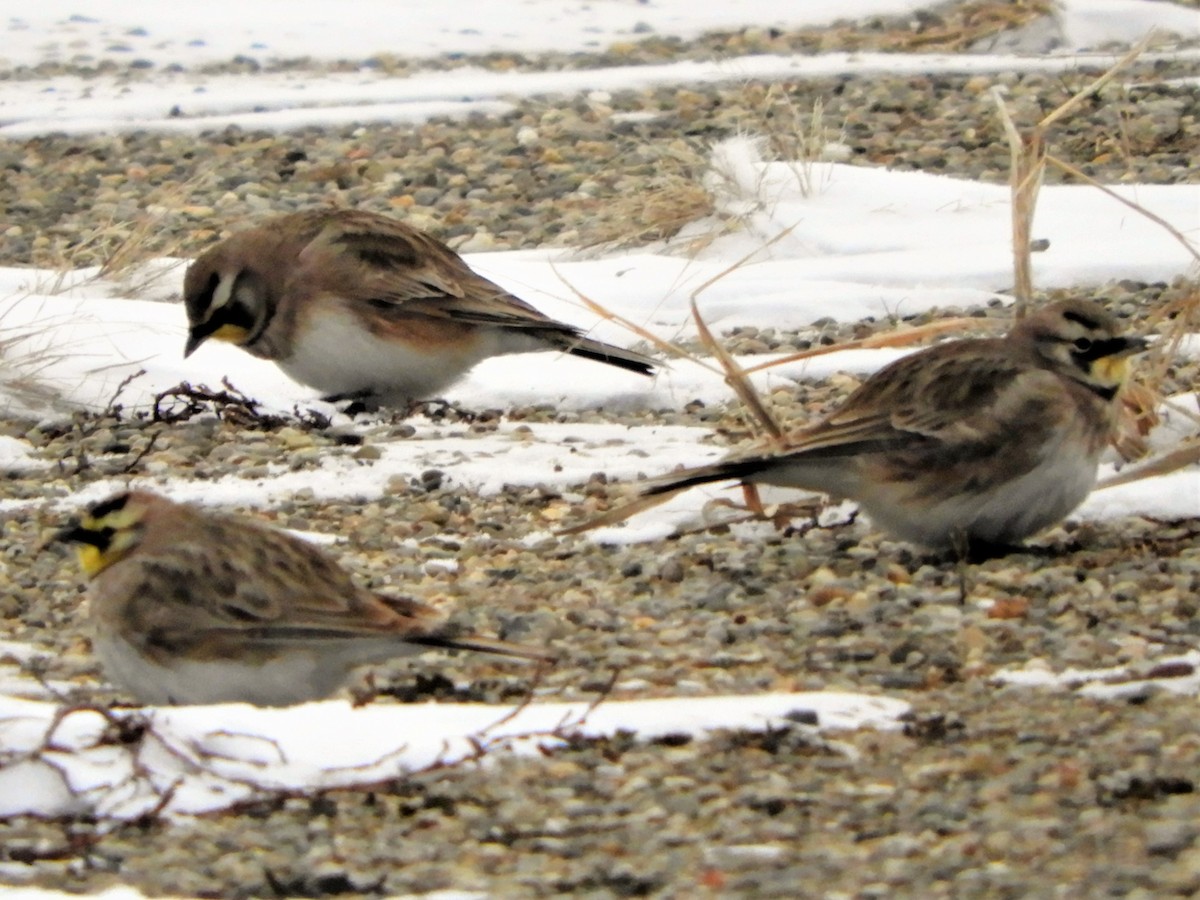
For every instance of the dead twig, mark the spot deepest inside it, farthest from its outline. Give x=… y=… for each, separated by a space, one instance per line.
x=610 y=316
x=1027 y=161
x=735 y=377
x=142 y=454
x=899 y=338
x=229 y=405
x=1139 y=209
x=1186 y=454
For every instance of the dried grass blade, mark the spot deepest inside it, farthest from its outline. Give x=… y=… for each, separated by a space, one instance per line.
x=900 y=338
x=1186 y=454
x=1158 y=220
x=736 y=379
x=610 y=316
x=619 y=514
x=1069 y=105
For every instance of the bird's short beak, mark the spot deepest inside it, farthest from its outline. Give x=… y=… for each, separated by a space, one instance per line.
x=72 y=534
x=1133 y=344
x=195 y=338
x=222 y=331
x=75 y=534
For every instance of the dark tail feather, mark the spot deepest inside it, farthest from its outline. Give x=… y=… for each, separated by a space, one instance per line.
x=728 y=470
x=483 y=645
x=614 y=356
x=664 y=488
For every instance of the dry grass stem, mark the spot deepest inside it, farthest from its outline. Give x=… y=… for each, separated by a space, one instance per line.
x=646 y=335
x=119 y=248
x=1141 y=210
x=898 y=338
x=734 y=376
x=1142 y=397
x=1186 y=454
x=800 y=138
x=24 y=355
x=1027 y=159
x=1067 y=107
x=674 y=197
x=737 y=380
x=618 y=514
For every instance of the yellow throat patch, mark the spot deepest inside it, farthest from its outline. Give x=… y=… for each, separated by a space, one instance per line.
x=93 y=560
x=1111 y=370
x=233 y=334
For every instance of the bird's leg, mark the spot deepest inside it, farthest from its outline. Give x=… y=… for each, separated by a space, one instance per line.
x=359 y=401
x=753 y=501
x=438 y=408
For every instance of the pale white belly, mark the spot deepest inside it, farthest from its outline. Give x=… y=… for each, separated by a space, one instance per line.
x=1007 y=513
x=281 y=681
x=336 y=355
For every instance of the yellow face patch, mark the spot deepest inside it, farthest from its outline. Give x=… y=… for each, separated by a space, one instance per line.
x=92 y=559
x=123 y=536
x=233 y=334
x=1111 y=370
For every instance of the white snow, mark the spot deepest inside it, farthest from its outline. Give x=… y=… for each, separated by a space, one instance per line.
x=863 y=242
x=288 y=29
x=198 y=759
x=193 y=102
x=1175 y=674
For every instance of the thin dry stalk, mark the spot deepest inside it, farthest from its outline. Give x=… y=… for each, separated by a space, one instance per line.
x=899 y=338
x=1027 y=160
x=119 y=247
x=1141 y=210
x=1074 y=101
x=1186 y=454
x=618 y=514
x=736 y=378
x=1181 y=315
x=24 y=355
x=646 y=335
x=799 y=138
x=1142 y=397
x=1026 y=167
x=674 y=197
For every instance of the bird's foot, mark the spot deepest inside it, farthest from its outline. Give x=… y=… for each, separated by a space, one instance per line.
x=439 y=410
x=357 y=402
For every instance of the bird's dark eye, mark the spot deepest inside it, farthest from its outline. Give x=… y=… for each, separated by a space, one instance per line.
x=1083 y=345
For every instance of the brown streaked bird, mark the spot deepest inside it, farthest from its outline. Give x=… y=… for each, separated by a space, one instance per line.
x=357 y=304
x=190 y=606
x=971 y=444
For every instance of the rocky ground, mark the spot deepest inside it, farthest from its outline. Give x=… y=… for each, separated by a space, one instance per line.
x=989 y=791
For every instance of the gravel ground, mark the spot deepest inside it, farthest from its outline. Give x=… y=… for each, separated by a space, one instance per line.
x=989 y=791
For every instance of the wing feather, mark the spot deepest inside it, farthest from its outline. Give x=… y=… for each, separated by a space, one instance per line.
x=268 y=586
x=957 y=399
x=398 y=271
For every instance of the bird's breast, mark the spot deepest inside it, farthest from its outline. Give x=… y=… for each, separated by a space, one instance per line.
x=336 y=351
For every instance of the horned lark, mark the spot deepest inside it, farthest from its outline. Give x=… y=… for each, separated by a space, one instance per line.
x=972 y=443
x=356 y=304
x=189 y=606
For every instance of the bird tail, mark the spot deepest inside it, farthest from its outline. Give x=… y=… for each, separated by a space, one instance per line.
x=451 y=641
x=664 y=488
x=726 y=470
x=613 y=355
